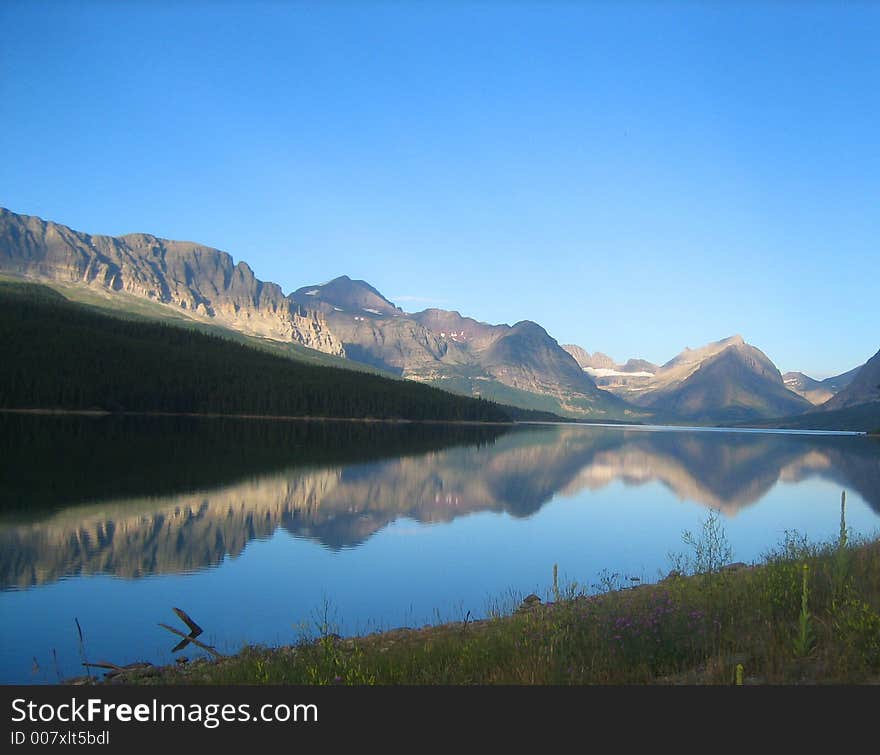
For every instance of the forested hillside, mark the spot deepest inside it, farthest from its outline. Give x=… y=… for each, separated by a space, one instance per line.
x=61 y=355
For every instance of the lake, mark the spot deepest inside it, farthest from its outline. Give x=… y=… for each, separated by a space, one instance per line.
x=264 y=530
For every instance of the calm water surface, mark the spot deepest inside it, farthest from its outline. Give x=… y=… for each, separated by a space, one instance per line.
x=261 y=529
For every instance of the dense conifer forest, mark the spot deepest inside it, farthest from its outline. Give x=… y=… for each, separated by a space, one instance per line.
x=60 y=355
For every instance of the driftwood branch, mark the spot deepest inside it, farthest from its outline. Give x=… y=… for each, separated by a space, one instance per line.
x=114 y=670
x=208 y=648
x=105 y=664
x=194 y=629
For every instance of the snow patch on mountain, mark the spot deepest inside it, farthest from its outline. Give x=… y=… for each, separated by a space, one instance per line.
x=602 y=372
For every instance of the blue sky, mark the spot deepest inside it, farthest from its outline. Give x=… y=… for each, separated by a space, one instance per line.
x=636 y=177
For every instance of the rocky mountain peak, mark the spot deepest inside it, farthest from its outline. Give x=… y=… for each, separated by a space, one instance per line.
x=581 y=355
x=191 y=279
x=864 y=387
x=603 y=361
x=689 y=356
x=596 y=360
x=349 y=295
x=530 y=328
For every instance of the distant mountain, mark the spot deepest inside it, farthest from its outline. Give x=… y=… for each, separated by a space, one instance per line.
x=734 y=383
x=864 y=388
x=518 y=364
x=599 y=364
x=727 y=380
x=638 y=365
x=817 y=391
x=622 y=380
x=684 y=364
x=602 y=361
x=856 y=405
x=580 y=355
x=197 y=281
x=345 y=294
x=839 y=382
x=596 y=360
x=803 y=385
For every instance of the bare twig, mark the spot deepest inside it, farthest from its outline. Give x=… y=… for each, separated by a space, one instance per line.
x=113 y=670
x=105 y=664
x=82 y=648
x=209 y=648
x=57 y=667
x=194 y=629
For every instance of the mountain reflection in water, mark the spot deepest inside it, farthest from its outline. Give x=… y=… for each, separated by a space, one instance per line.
x=338 y=484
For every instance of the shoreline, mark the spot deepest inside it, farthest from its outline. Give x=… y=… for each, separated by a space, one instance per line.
x=401 y=420
x=685 y=629
x=272 y=417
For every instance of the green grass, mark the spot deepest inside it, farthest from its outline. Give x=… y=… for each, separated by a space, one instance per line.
x=804 y=614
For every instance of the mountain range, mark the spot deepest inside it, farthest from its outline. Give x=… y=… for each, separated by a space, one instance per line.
x=728 y=380
x=818 y=391
x=520 y=364
x=349 y=323
x=732 y=381
x=862 y=388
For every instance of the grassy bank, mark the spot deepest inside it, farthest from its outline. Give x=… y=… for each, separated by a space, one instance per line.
x=805 y=614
